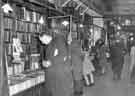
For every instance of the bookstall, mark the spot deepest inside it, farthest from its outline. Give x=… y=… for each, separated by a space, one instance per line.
x=22 y=51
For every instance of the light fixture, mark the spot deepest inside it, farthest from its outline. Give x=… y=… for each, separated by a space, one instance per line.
x=132 y=38
x=118 y=27
x=51 y=1
x=117 y=40
x=91 y=30
x=7 y=8
x=118 y=33
x=81 y=25
x=111 y=23
x=127 y=22
x=65 y=23
x=41 y=20
x=131 y=34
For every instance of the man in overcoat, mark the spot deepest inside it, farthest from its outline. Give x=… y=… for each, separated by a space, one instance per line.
x=77 y=67
x=59 y=80
x=117 y=59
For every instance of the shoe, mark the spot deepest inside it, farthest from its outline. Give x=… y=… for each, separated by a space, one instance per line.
x=78 y=93
x=92 y=84
x=87 y=85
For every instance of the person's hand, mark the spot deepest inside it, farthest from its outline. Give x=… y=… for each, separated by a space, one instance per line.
x=47 y=63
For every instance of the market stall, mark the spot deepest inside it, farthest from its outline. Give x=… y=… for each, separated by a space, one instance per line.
x=22 y=55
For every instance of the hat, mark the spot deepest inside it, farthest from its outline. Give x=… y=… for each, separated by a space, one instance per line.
x=45 y=38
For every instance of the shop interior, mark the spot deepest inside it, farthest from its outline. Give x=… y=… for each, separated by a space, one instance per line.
x=21 y=23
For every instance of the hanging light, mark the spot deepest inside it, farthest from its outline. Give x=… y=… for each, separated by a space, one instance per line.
x=118 y=33
x=127 y=22
x=132 y=38
x=7 y=8
x=41 y=20
x=65 y=23
x=52 y=1
x=81 y=25
x=131 y=34
x=91 y=30
x=118 y=27
x=111 y=23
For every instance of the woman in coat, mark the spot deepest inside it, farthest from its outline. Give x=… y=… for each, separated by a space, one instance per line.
x=102 y=58
x=77 y=67
x=117 y=58
x=88 y=69
x=59 y=81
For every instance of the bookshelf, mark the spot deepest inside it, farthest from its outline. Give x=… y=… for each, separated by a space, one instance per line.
x=21 y=30
x=24 y=26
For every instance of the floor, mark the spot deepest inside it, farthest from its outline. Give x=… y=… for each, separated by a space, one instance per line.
x=106 y=86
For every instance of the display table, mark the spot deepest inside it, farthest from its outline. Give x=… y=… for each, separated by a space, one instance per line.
x=25 y=81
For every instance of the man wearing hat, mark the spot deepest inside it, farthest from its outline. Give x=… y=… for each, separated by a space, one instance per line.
x=77 y=66
x=117 y=58
x=59 y=81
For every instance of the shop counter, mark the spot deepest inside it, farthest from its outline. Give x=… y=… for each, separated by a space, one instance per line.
x=25 y=81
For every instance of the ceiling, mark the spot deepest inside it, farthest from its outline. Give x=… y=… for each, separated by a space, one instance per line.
x=105 y=7
x=112 y=7
x=122 y=7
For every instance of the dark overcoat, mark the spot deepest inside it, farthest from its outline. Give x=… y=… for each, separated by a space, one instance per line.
x=77 y=66
x=102 y=56
x=76 y=60
x=117 y=58
x=59 y=81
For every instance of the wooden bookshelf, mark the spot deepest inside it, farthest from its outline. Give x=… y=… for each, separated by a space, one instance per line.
x=23 y=26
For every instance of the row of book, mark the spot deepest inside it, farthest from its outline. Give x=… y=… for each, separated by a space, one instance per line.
x=8 y=35
x=24 y=38
x=25 y=14
x=23 y=26
x=28 y=27
x=35 y=45
x=8 y=23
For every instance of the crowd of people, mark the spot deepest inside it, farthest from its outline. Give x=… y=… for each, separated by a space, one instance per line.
x=68 y=69
x=101 y=57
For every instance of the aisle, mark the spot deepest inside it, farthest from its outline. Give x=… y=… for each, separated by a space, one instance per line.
x=105 y=86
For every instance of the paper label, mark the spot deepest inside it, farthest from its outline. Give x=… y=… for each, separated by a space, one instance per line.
x=56 y=52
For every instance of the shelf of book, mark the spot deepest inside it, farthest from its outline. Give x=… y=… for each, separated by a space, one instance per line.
x=24 y=26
